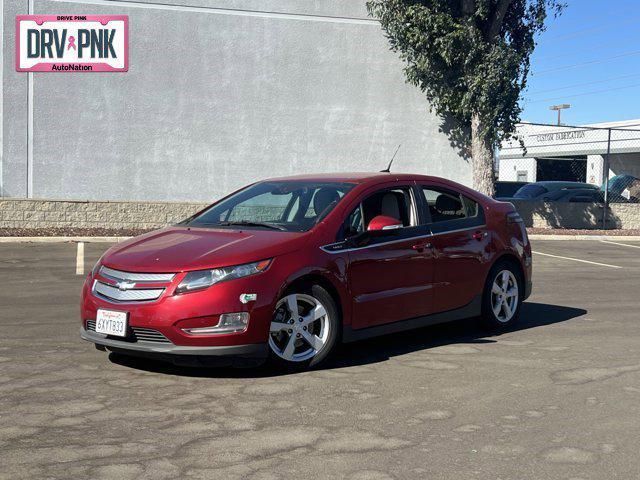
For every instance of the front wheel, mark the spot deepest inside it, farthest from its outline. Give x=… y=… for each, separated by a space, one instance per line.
x=305 y=328
x=502 y=296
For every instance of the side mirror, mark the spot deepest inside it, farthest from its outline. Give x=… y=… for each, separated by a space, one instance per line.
x=382 y=223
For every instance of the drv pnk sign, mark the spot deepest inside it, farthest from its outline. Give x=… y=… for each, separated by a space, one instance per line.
x=72 y=43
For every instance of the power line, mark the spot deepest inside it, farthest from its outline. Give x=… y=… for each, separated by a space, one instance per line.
x=585 y=31
x=582 y=64
x=584 y=94
x=538 y=92
x=572 y=52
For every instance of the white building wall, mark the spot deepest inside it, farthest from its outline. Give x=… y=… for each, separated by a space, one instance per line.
x=595 y=169
x=219 y=93
x=511 y=167
x=625 y=163
x=619 y=163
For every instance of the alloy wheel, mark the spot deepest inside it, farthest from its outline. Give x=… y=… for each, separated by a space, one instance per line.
x=504 y=296
x=299 y=328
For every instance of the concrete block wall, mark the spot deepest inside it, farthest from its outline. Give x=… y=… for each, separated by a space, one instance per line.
x=20 y=213
x=577 y=215
x=627 y=214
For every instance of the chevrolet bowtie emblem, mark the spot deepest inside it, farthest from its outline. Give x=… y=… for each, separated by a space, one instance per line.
x=125 y=285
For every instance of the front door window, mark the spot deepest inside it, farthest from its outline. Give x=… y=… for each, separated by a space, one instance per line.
x=396 y=203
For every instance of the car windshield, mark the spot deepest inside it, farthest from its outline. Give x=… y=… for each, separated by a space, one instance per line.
x=293 y=206
x=530 y=191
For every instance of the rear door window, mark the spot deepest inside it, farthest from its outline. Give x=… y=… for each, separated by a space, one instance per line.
x=448 y=209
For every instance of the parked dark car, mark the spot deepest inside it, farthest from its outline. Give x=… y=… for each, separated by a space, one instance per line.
x=508 y=189
x=624 y=186
x=542 y=190
x=583 y=195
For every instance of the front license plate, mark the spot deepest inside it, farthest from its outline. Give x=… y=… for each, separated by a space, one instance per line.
x=111 y=323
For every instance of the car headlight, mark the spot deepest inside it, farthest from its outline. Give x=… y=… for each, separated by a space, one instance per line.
x=205 y=278
x=96 y=267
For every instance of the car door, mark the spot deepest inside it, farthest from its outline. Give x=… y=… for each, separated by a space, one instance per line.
x=390 y=273
x=461 y=245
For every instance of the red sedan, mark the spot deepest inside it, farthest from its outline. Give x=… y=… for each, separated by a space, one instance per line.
x=287 y=268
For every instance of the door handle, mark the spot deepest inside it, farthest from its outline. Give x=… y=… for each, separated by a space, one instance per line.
x=420 y=247
x=479 y=235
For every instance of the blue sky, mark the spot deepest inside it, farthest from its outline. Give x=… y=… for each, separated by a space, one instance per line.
x=574 y=57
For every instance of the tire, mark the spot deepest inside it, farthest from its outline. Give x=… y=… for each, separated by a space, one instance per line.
x=314 y=328
x=501 y=304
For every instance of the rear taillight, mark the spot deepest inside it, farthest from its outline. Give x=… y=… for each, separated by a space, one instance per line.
x=514 y=217
x=515 y=221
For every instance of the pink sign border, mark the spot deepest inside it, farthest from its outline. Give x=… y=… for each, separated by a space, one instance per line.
x=96 y=67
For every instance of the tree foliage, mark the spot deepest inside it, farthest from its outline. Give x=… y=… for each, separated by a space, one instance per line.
x=470 y=57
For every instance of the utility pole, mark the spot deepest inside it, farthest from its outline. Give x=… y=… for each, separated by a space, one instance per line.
x=606 y=167
x=559 y=108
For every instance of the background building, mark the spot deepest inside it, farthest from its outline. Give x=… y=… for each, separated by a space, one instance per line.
x=219 y=93
x=578 y=154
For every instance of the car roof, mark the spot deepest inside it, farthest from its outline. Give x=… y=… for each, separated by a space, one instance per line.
x=358 y=177
x=365 y=179
x=560 y=183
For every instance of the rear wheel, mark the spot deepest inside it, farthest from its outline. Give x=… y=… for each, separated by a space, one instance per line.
x=502 y=296
x=305 y=328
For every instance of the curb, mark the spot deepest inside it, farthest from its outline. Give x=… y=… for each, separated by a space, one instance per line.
x=62 y=239
x=609 y=238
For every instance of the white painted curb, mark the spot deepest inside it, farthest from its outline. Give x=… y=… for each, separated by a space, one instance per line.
x=609 y=238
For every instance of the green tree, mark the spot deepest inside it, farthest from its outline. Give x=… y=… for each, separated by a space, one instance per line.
x=471 y=59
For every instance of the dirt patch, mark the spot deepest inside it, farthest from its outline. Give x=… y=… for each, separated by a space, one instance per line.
x=71 y=232
x=568 y=231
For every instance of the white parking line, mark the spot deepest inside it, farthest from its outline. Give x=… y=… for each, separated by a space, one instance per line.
x=80 y=259
x=618 y=243
x=578 y=260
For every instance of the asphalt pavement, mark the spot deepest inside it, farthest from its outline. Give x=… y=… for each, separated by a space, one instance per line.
x=556 y=397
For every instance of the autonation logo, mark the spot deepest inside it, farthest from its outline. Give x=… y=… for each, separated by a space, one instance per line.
x=77 y=43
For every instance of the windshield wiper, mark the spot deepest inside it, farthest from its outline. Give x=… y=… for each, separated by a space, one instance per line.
x=254 y=224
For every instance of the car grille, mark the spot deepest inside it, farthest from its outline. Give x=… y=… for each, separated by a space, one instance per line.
x=136 y=277
x=136 y=295
x=129 y=286
x=136 y=334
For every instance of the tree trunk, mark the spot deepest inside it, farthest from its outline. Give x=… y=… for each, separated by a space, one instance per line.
x=481 y=158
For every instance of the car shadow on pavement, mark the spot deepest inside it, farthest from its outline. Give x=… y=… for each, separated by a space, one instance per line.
x=378 y=349
x=467 y=331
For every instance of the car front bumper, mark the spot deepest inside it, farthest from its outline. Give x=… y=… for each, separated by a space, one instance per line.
x=181 y=354
x=171 y=315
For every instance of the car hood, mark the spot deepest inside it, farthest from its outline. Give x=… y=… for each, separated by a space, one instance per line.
x=178 y=249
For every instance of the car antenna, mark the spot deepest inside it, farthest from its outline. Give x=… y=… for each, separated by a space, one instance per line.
x=388 y=169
